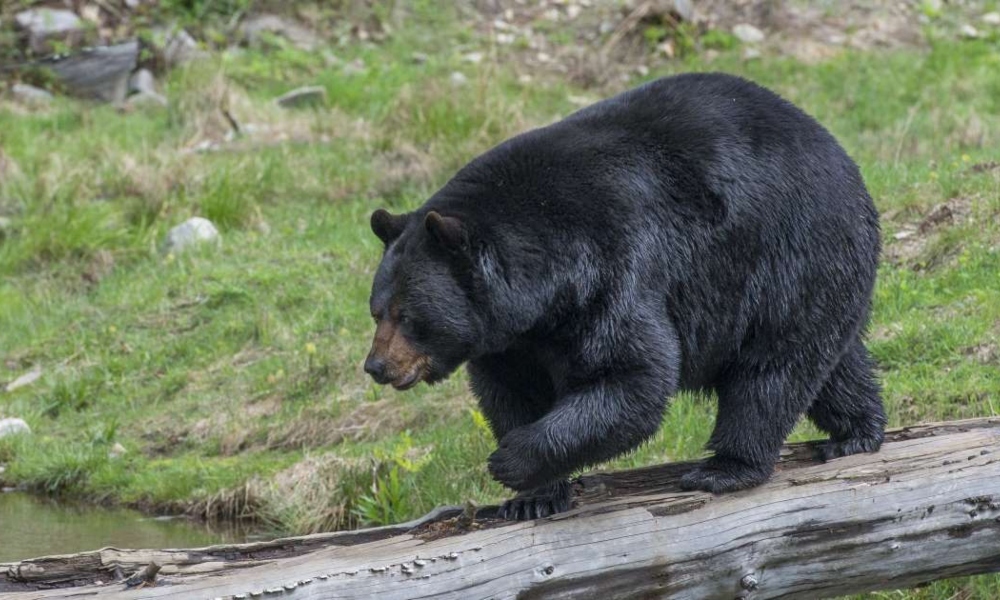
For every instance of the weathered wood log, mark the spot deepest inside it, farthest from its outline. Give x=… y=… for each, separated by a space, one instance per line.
x=926 y=507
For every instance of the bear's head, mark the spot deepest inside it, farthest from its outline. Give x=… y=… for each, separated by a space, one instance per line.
x=427 y=323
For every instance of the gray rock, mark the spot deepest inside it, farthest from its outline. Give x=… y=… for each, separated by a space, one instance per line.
x=685 y=9
x=299 y=36
x=458 y=79
x=969 y=31
x=194 y=231
x=5 y=225
x=991 y=18
x=314 y=95
x=45 y=25
x=13 y=427
x=29 y=94
x=24 y=380
x=142 y=82
x=175 y=46
x=100 y=73
x=748 y=34
x=419 y=58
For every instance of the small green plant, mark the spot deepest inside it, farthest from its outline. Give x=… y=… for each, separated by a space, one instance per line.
x=392 y=483
x=716 y=39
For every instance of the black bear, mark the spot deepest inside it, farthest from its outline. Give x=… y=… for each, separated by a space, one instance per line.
x=697 y=232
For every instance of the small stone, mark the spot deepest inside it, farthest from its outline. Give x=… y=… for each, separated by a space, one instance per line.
x=573 y=11
x=748 y=34
x=13 y=426
x=968 y=31
x=314 y=95
x=24 y=380
x=458 y=79
x=642 y=70
x=193 y=231
x=505 y=39
x=991 y=18
x=117 y=451
x=44 y=25
x=473 y=58
x=29 y=94
x=142 y=81
x=419 y=58
x=751 y=53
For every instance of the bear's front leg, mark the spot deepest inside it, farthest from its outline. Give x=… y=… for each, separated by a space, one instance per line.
x=595 y=423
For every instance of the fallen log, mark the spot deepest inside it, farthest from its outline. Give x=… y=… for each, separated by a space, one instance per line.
x=926 y=507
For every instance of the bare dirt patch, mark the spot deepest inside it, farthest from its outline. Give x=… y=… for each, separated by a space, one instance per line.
x=911 y=244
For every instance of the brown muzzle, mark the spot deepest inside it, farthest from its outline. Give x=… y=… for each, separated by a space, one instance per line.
x=393 y=359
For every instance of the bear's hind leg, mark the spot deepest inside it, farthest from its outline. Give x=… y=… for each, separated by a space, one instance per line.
x=757 y=411
x=849 y=406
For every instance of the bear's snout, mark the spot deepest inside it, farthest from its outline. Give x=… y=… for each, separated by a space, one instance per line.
x=394 y=360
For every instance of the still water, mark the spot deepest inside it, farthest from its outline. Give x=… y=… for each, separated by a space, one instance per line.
x=31 y=527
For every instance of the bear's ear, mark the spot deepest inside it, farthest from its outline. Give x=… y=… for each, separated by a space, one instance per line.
x=447 y=231
x=387 y=226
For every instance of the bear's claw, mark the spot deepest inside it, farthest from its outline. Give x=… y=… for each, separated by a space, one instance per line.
x=718 y=475
x=538 y=503
x=832 y=449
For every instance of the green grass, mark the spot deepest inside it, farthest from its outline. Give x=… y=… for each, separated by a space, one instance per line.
x=232 y=374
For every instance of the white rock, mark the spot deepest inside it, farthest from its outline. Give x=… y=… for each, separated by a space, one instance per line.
x=751 y=53
x=991 y=18
x=458 y=79
x=195 y=230
x=27 y=379
x=29 y=94
x=13 y=426
x=142 y=82
x=45 y=24
x=969 y=31
x=473 y=57
x=748 y=34
x=117 y=451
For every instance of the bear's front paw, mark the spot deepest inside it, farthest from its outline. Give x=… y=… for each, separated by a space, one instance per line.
x=718 y=475
x=518 y=463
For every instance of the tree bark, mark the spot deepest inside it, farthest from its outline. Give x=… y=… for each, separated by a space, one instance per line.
x=926 y=507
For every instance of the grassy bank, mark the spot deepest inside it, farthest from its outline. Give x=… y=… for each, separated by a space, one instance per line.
x=231 y=375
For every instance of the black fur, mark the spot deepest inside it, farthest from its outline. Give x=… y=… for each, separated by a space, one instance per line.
x=698 y=232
